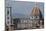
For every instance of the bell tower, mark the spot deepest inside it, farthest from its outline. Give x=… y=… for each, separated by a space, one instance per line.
x=8 y=17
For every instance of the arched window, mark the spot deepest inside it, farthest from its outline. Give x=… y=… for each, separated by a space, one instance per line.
x=7 y=12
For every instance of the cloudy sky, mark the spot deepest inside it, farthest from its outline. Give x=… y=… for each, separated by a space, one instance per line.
x=23 y=7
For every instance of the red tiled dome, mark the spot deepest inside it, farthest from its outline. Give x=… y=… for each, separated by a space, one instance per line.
x=36 y=11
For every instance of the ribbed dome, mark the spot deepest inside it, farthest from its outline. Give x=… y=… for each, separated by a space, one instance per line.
x=36 y=11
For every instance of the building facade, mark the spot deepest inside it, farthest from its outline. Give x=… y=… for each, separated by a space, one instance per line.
x=34 y=21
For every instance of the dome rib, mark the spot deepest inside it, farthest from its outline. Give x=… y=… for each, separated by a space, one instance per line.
x=36 y=11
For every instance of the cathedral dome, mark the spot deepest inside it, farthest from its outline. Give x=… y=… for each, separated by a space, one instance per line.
x=36 y=12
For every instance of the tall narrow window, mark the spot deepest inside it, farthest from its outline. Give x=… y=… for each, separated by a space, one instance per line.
x=7 y=12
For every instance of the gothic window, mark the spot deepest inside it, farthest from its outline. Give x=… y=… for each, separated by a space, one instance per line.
x=7 y=12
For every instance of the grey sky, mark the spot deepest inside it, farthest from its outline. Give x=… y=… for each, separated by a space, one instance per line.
x=23 y=7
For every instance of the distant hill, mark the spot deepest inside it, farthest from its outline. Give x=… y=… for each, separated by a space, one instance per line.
x=17 y=15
